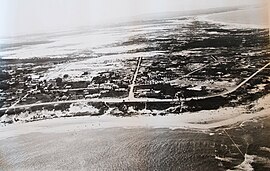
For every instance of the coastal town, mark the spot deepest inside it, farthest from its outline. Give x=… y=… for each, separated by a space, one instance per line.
x=207 y=68
x=135 y=85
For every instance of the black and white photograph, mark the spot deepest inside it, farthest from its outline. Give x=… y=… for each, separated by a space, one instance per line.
x=141 y=85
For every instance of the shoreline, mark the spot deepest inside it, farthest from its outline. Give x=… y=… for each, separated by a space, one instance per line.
x=217 y=135
x=220 y=18
x=204 y=121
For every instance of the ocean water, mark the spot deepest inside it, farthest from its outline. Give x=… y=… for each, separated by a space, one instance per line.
x=110 y=149
x=140 y=149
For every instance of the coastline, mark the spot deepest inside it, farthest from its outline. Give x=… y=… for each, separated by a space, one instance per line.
x=253 y=18
x=189 y=140
x=200 y=121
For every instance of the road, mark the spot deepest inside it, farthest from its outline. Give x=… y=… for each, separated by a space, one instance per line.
x=198 y=69
x=134 y=80
x=136 y=100
x=246 y=80
x=14 y=104
x=131 y=90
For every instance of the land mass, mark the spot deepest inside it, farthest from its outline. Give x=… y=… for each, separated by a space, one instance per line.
x=179 y=93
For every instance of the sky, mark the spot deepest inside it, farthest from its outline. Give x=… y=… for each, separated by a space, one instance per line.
x=18 y=17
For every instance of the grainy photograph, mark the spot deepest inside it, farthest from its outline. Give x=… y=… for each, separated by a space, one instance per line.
x=135 y=85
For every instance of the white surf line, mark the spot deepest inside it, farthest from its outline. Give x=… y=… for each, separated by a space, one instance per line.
x=234 y=143
x=138 y=100
x=131 y=91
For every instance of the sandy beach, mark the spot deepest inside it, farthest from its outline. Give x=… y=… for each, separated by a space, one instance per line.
x=202 y=121
x=85 y=143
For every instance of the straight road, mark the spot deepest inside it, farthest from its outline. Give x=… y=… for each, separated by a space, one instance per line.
x=131 y=90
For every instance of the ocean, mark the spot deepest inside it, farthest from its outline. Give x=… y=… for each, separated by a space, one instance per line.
x=140 y=149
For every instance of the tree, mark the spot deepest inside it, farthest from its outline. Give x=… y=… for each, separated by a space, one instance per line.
x=65 y=76
x=59 y=81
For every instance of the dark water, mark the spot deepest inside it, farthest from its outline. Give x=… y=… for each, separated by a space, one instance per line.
x=111 y=149
x=136 y=149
